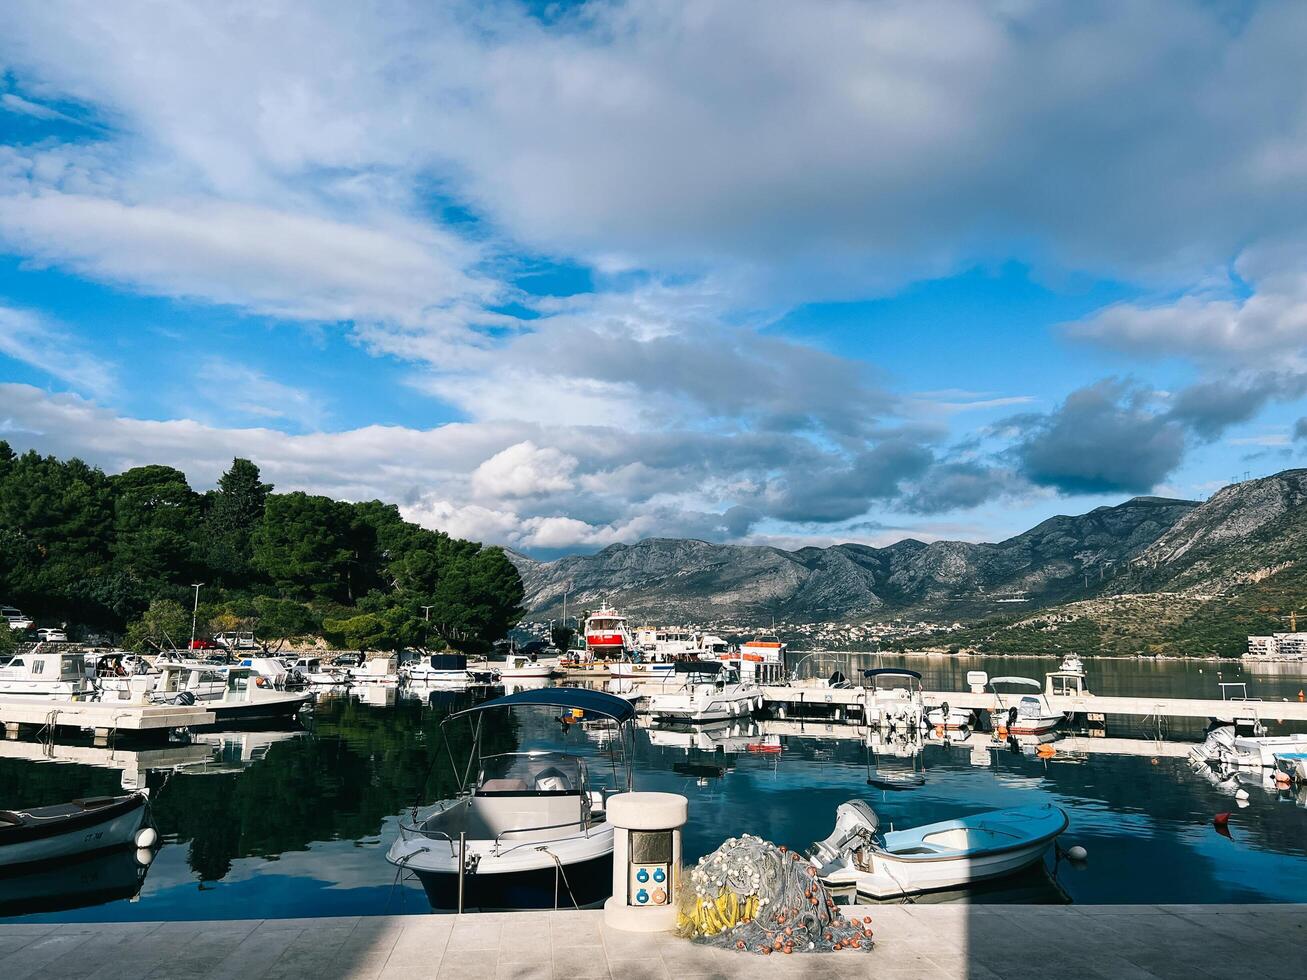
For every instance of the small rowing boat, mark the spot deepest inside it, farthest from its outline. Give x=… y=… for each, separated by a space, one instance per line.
x=950 y=854
x=66 y=830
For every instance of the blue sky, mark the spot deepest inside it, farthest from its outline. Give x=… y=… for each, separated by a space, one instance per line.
x=559 y=276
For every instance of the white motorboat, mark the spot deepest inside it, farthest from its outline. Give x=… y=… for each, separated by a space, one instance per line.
x=245 y=696
x=376 y=670
x=444 y=668
x=700 y=691
x=274 y=673
x=948 y=854
x=1072 y=664
x=115 y=672
x=894 y=698
x=1224 y=746
x=823 y=671
x=528 y=666
x=950 y=718
x=534 y=823
x=38 y=674
x=69 y=830
x=315 y=672
x=1028 y=714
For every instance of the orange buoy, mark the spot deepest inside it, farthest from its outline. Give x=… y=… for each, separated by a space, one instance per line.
x=1046 y=751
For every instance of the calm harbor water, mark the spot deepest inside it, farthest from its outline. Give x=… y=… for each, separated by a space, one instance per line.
x=296 y=823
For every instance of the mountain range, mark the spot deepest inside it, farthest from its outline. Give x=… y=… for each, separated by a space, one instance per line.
x=684 y=579
x=1245 y=540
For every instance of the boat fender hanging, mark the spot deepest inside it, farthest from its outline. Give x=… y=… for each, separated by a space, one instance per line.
x=1241 y=794
x=147 y=837
x=1077 y=853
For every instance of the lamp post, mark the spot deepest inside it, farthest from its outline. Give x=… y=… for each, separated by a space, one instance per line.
x=194 y=612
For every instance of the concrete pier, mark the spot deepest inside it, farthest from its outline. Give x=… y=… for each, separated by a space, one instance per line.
x=921 y=942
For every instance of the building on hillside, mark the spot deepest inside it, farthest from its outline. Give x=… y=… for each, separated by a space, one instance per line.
x=1277 y=646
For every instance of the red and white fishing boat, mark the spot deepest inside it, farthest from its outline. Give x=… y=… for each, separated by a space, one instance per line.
x=606 y=634
x=759 y=661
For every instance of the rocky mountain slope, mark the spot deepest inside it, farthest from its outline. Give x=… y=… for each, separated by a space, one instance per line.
x=673 y=580
x=1231 y=567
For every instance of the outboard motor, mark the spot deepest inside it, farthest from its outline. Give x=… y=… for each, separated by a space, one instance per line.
x=856 y=825
x=184 y=698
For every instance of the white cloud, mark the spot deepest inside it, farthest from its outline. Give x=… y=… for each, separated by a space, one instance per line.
x=524 y=470
x=239 y=390
x=27 y=337
x=1269 y=319
x=11 y=102
x=836 y=145
x=260 y=259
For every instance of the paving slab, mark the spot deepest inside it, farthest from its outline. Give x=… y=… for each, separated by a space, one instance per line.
x=1185 y=942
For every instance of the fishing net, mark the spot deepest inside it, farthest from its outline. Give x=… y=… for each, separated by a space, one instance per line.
x=751 y=895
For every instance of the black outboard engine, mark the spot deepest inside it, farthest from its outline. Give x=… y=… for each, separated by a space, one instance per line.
x=184 y=698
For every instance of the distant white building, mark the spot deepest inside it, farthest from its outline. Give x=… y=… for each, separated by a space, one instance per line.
x=1278 y=646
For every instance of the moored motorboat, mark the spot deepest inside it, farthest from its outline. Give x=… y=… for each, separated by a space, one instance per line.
x=533 y=824
x=894 y=698
x=949 y=854
x=1029 y=714
x=528 y=667
x=445 y=668
x=44 y=674
x=44 y=834
x=1225 y=746
x=244 y=696
x=1072 y=664
x=382 y=669
x=699 y=691
x=950 y=718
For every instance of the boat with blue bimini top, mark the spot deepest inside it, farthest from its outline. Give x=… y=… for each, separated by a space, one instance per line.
x=530 y=831
x=950 y=854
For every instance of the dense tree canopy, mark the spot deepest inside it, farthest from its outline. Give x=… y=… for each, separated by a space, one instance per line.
x=104 y=552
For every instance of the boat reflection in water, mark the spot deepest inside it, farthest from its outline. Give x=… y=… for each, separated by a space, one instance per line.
x=109 y=876
x=72 y=854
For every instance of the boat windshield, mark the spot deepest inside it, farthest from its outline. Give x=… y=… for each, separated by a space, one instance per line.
x=516 y=773
x=831 y=668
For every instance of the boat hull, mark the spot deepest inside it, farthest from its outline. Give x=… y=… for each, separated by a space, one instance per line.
x=590 y=883
x=115 y=825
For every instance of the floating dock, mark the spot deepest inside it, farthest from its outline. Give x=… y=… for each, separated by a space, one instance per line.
x=103 y=717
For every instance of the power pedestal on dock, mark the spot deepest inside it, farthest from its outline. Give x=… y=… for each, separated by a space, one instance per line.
x=646 y=860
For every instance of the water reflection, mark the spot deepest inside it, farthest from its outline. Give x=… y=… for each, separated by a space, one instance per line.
x=291 y=823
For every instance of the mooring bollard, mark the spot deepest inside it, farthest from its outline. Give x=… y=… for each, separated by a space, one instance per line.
x=646 y=860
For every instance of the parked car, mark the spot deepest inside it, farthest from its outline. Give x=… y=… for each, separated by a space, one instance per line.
x=237 y=641
x=15 y=618
x=50 y=634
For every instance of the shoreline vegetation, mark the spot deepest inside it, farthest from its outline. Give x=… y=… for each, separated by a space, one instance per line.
x=122 y=555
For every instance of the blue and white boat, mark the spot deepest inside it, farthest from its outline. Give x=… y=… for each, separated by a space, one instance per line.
x=950 y=854
x=531 y=830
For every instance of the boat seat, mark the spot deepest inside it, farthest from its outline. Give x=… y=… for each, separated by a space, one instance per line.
x=503 y=786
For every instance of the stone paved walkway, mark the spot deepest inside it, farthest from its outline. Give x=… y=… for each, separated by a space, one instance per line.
x=1139 y=942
